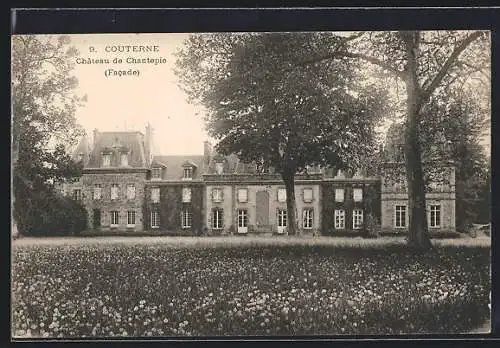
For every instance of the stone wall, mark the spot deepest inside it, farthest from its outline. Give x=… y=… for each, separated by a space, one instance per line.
x=370 y=204
x=446 y=200
x=171 y=206
x=231 y=205
x=122 y=204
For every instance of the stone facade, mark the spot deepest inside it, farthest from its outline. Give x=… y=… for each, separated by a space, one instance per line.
x=172 y=208
x=99 y=210
x=440 y=190
x=367 y=204
x=227 y=196
x=261 y=207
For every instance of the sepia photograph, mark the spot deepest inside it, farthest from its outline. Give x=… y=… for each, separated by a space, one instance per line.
x=250 y=184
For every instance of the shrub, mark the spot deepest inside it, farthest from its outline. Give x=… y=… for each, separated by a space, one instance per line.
x=52 y=215
x=371 y=226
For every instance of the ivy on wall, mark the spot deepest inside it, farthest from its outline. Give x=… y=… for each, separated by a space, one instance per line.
x=370 y=204
x=170 y=209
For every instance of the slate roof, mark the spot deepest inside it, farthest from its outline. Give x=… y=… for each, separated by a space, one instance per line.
x=133 y=142
x=83 y=147
x=175 y=166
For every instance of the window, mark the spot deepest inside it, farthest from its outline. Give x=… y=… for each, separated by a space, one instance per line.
x=77 y=194
x=217 y=195
x=186 y=195
x=114 y=218
x=339 y=195
x=124 y=159
x=187 y=218
x=217 y=216
x=155 y=194
x=242 y=195
x=219 y=168
x=188 y=173
x=400 y=216
x=114 y=191
x=80 y=157
x=155 y=219
x=156 y=173
x=307 y=219
x=308 y=195
x=339 y=219
x=131 y=218
x=106 y=160
x=281 y=218
x=97 y=192
x=358 y=194
x=242 y=218
x=435 y=216
x=281 y=195
x=357 y=219
x=130 y=191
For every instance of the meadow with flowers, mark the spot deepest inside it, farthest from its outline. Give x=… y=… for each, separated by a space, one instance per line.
x=77 y=288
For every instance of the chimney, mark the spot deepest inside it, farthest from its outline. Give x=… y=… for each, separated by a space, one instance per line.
x=207 y=152
x=96 y=135
x=148 y=140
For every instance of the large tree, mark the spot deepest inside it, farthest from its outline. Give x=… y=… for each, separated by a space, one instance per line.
x=459 y=117
x=43 y=122
x=265 y=106
x=426 y=63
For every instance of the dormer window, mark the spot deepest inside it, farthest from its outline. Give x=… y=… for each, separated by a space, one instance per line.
x=188 y=173
x=124 y=159
x=106 y=159
x=80 y=157
x=219 y=168
x=156 y=173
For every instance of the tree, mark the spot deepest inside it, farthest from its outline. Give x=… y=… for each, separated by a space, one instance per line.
x=266 y=107
x=459 y=119
x=426 y=63
x=43 y=121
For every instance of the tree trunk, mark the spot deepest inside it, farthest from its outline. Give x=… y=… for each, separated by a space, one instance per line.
x=418 y=236
x=289 y=179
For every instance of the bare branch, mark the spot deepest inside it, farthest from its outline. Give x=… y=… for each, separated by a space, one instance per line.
x=341 y=54
x=432 y=83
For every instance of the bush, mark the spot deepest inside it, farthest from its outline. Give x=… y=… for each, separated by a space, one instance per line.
x=48 y=214
x=371 y=227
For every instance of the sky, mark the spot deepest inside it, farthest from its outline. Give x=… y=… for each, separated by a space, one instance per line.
x=119 y=103
x=129 y=102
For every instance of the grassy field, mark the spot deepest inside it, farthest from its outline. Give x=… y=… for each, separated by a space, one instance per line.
x=107 y=287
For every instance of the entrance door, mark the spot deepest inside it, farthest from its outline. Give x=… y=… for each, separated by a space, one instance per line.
x=281 y=221
x=262 y=208
x=242 y=221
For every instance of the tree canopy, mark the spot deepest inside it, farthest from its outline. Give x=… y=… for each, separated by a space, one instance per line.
x=265 y=105
x=43 y=121
x=427 y=63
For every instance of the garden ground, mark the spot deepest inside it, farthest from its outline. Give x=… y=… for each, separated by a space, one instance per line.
x=211 y=286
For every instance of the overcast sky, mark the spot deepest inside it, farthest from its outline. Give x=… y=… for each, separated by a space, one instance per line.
x=129 y=102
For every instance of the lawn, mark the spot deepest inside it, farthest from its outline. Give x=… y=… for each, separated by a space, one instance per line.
x=160 y=286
